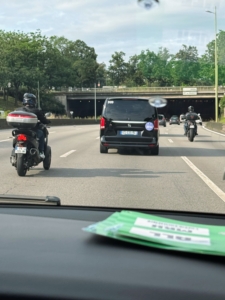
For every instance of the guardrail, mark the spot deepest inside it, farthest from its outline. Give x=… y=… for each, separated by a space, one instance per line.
x=58 y=122
x=218 y=127
x=139 y=89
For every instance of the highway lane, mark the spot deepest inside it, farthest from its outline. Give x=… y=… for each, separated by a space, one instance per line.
x=80 y=175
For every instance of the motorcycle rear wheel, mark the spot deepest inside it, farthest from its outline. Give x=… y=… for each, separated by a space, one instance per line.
x=191 y=134
x=20 y=167
x=48 y=157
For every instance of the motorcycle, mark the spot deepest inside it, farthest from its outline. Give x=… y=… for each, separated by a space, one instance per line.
x=25 y=153
x=191 y=125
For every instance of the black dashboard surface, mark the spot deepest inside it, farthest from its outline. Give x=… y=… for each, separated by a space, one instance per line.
x=44 y=253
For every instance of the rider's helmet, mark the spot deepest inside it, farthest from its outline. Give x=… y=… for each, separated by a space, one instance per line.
x=29 y=100
x=191 y=109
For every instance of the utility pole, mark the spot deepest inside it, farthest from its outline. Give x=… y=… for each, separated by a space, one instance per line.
x=95 y=102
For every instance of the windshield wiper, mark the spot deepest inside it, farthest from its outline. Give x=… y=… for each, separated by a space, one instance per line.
x=48 y=200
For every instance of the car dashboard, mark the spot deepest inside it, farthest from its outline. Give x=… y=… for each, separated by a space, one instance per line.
x=45 y=254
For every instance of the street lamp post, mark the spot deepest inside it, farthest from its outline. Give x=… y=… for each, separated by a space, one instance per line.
x=216 y=66
x=95 y=102
x=39 y=104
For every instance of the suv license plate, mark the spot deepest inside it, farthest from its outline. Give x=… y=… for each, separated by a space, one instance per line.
x=192 y=126
x=21 y=150
x=129 y=132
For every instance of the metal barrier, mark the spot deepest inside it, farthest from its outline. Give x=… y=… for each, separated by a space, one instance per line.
x=139 y=89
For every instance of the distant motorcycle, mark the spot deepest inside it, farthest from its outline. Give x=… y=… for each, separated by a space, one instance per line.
x=191 y=125
x=25 y=153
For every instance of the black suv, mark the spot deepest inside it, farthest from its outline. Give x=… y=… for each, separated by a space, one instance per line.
x=129 y=122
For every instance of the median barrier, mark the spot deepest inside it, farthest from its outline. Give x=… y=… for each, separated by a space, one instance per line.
x=218 y=127
x=58 y=122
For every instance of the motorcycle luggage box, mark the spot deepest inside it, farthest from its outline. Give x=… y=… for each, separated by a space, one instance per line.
x=22 y=120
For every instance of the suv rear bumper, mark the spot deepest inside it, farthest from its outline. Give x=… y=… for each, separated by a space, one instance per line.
x=126 y=144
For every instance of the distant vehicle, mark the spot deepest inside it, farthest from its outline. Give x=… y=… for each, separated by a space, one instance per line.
x=174 y=120
x=162 y=120
x=199 y=121
x=182 y=118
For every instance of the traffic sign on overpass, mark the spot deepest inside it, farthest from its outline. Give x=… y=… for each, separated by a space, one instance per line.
x=190 y=91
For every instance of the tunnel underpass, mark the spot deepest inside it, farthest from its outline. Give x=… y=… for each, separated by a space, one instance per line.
x=206 y=107
x=84 y=108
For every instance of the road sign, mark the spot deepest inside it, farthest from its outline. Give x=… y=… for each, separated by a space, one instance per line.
x=190 y=91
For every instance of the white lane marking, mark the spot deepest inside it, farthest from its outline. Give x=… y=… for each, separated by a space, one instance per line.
x=207 y=181
x=170 y=140
x=51 y=131
x=213 y=131
x=97 y=138
x=135 y=174
x=68 y=153
x=5 y=140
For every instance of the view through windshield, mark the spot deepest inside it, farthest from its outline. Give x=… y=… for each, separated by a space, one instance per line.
x=61 y=60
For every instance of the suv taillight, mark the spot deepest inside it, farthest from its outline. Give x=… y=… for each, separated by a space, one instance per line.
x=156 y=124
x=102 y=123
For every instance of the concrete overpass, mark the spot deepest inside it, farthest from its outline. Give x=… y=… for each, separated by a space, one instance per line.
x=81 y=101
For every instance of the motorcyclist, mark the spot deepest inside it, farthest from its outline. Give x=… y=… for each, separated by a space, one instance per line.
x=29 y=102
x=190 y=110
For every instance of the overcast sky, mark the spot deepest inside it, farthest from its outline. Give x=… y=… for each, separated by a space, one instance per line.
x=117 y=25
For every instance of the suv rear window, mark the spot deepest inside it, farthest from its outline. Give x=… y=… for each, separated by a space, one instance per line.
x=160 y=117
x=129 y=109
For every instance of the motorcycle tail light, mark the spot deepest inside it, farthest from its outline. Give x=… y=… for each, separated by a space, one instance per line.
x=21 y=137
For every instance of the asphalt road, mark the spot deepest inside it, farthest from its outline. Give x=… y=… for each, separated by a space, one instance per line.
x=185 y=176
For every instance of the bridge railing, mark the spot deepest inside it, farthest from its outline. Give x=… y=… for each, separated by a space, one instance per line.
x=139 y=89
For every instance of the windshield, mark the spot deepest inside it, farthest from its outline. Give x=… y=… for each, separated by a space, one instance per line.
x=92 y=67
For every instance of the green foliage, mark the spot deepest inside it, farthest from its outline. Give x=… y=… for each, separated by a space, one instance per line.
x=147 y=61
x=117 y=70
x=50 y=104
x=7 y=105
x=222 y=103
x=134 y=74
x=29 y=58
x=185 y=66
x=7 y=112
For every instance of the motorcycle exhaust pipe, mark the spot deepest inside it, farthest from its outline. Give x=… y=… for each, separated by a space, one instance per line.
x=33 y=151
